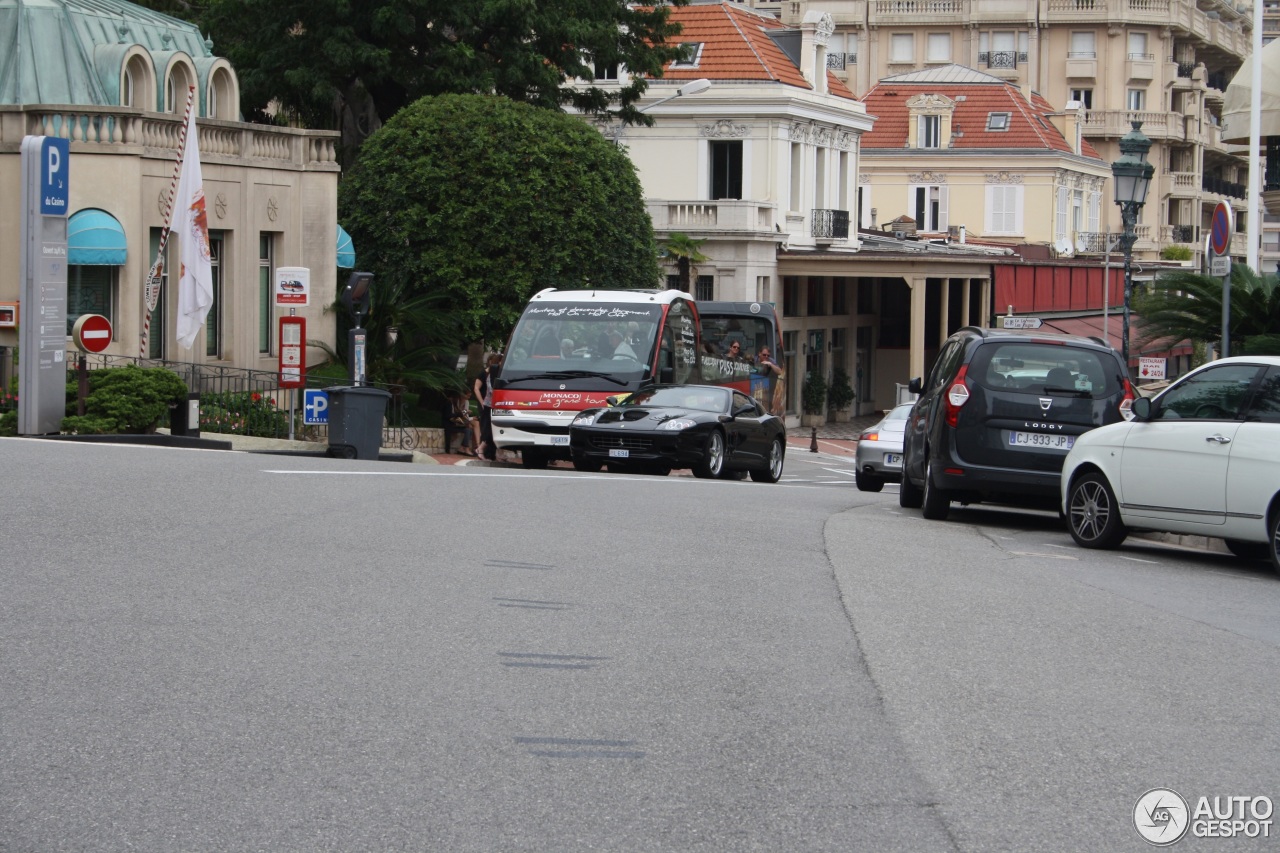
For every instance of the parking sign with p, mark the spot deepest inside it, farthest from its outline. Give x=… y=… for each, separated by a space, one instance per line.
x=315 y=406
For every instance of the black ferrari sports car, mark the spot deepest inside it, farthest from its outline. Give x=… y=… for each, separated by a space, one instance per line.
x=718 y=432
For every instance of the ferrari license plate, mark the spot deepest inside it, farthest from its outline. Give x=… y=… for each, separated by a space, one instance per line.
x=619 y=452
x=893 y=459
x=1042 y=439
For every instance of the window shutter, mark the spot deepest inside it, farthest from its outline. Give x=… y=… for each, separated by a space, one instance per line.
x=1095 y=206
x=1015 y=224
x=941 y=224
x=995 y=210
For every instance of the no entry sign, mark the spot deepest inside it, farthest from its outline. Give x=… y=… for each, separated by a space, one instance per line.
x=92 y=333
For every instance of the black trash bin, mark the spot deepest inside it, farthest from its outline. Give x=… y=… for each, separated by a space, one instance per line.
x=184 y=417
x=355 y=421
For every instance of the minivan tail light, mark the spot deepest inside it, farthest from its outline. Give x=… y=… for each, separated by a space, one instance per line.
x=1126 y=405
x=957 y=396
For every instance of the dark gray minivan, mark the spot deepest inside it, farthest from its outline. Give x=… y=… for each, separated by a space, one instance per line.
x=998 y=413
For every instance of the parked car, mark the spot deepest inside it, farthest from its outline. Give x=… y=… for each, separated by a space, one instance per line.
x=879 y=454
x=1201 y=458
x=716 y=431
x=999 y=412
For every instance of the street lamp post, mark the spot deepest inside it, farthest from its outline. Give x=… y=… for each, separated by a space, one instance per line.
x=1132 y=175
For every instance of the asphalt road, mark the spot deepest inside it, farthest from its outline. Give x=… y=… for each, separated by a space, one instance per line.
x=225 y=651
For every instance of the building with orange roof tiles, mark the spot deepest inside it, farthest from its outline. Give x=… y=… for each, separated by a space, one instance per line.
x=955 y=148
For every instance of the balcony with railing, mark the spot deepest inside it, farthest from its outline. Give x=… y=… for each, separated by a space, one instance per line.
x=1002 y=59
x=1116 y=123
x=916 y=12
x=1180 y=184
x=1095 y=242
x=125 y=130
x=1222 y=187
x=841 y=61
x=1189 y=234
x=723 y=217
x=829 y=224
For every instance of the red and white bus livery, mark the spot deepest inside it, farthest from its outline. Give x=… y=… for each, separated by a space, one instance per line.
x=572 y=349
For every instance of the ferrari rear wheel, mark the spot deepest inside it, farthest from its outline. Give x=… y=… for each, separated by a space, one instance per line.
x=712 y=461
x=772 y=473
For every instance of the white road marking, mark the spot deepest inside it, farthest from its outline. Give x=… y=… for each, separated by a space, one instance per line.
x=1137 y=560
x=1048 y=556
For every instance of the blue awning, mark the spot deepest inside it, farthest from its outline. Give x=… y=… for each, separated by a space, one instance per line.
x=95 y=238
x=346 y=251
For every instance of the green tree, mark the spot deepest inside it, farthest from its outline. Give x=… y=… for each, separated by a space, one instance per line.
x=1187 y=305
x=487 y=201
x=687 y=251
x=351 y=66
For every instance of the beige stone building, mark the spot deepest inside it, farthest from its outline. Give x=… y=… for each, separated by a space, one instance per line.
x=113 y=78
x=1163 y=62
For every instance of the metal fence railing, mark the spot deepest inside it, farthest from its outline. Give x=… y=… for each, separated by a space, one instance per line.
x=240 y=401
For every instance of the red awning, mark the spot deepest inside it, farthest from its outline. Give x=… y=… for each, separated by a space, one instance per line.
x=1092 y=326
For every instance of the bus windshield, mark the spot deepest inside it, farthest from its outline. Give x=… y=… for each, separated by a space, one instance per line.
x=613 y=339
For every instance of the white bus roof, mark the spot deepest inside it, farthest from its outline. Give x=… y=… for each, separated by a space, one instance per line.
x=552 y=294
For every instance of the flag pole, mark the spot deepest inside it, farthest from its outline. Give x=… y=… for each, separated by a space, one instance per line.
x=151 y=289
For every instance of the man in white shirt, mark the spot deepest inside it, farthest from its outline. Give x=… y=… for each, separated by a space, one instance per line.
x=621 y=349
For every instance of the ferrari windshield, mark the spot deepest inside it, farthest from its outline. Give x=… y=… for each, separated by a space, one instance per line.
x=698 y=397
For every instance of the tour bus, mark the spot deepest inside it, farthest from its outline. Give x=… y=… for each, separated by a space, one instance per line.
x=573 y=349
x=753 y=326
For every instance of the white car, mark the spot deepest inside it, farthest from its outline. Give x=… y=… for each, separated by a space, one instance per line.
x=1201 y=458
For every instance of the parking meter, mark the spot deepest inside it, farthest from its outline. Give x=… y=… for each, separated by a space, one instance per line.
x=355 y=298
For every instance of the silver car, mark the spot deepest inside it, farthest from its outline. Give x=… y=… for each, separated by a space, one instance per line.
x=879 y=456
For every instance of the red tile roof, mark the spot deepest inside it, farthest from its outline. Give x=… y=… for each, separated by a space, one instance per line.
x=1029 y=124
x=736 y=47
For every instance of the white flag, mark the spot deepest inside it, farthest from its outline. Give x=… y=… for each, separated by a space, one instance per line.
x=191 y=225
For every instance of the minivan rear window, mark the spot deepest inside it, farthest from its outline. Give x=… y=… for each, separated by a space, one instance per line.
x=1039 y=368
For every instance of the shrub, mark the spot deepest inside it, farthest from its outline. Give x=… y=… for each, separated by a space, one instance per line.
x=1176 y=253
x=814 y=393
x=126 y=399
x=243 y=413
x=840 y=395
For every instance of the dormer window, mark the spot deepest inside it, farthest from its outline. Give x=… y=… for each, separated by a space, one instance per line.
x=930 y=120
x=998 y=121
x=690 y=55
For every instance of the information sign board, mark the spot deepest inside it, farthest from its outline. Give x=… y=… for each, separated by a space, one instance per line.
x=1020 y=322
x=1151 y=368
x=293 y=352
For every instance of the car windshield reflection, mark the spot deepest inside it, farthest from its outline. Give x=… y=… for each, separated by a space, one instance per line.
x=683 y=397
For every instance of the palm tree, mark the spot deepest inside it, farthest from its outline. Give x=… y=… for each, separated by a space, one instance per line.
x=410 y=341
x=1184 y=305
x=687 y=252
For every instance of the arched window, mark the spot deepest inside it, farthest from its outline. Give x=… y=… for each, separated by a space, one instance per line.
x=175 y=90
x=220 y=101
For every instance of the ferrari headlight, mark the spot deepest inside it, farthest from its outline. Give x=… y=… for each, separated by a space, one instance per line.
x=677 y=423
x=585 y=418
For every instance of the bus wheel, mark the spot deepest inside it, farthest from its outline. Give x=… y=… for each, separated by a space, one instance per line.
x=712 y=462
x=532 y=458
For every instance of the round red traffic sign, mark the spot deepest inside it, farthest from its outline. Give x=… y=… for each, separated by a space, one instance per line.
x=1220 y=229
x=92 y=333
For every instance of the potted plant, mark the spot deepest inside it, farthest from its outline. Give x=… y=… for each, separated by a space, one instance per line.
x=840 y=395
x=813 y=399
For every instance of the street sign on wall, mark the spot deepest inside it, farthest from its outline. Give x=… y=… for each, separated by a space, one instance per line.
x=1019 y=322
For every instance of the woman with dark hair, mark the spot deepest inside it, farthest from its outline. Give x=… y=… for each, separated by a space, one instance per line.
x=483 y=391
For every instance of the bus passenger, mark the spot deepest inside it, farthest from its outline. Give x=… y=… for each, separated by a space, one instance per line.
x=621 y=349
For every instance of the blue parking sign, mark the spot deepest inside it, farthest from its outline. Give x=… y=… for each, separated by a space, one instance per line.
x=315 y=407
